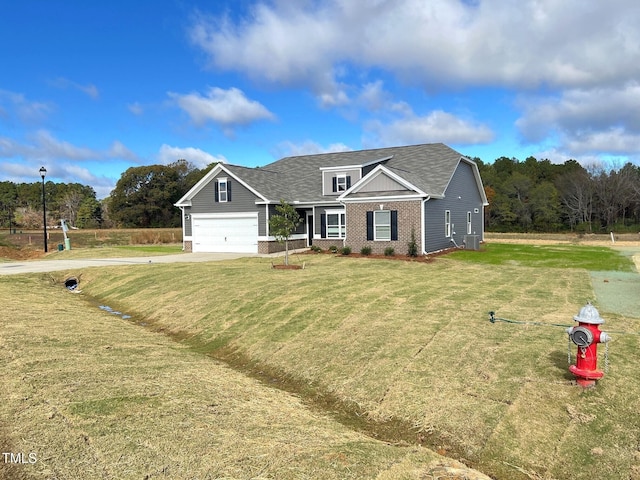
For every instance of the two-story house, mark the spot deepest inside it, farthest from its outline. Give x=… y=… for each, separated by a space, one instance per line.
x=378 y=198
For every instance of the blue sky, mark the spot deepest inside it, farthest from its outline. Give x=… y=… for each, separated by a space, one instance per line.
x=91 y=88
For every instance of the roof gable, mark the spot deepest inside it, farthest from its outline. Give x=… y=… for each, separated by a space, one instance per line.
x=381 y=181
x=231 y=170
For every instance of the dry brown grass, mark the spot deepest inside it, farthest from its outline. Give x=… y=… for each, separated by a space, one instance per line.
x=410 y=341
x=94 y=396
x=601 y=240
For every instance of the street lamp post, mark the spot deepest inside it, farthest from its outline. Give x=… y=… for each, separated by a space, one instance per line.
x=43 y=173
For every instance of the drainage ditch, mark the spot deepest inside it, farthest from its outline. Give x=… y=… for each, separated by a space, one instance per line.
x=394 y=431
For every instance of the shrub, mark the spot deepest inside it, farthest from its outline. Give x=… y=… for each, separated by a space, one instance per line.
x=333 y=249
x=412 y=250
x=345 y=250
x=365 y=250
x=389 y=252
x=315 y=248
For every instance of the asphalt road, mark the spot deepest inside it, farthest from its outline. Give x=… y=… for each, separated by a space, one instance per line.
x=37 y=266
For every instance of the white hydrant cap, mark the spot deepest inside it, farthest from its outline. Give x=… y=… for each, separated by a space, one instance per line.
x=589 y=314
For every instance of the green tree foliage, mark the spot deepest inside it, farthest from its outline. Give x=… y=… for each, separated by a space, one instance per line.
x=537 y=195
x=145 y=196
x=89 y=214
x=8 y=202
x=20 y=203
x=283 y=224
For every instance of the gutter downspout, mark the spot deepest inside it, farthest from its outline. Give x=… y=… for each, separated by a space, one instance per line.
x=184 y=226
x=344 y=240
x=423 y=226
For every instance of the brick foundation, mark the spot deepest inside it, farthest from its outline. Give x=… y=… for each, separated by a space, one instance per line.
x=274 y=247
x=325 y=243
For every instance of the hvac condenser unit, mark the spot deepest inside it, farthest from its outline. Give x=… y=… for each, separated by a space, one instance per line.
x=472 y=242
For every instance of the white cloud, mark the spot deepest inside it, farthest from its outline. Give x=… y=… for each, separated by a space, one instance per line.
x=284 y=43
x=26 y=111
x=613 y=141
x=598 y=120
x=437 y=126
x=439 y=43
x=135 y=108
x=308 y=147
x=587 y=160
x=88 y=89
x=199 y=158
x=120 y=151
x=46 y=146
x=336 y=98
x=226 y=108
x=42 y=146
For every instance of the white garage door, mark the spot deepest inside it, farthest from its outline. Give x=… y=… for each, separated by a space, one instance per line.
x=225 y=233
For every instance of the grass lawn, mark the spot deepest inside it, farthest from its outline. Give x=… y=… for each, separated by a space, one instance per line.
x=548 y=256
x=87 y=395
x=115 y=251
x=404 y=345
x=411 y=342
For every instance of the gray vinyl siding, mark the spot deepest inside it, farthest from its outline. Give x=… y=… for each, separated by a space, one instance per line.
x=382 y=183
x=461 y=196
x=327 y=179
x=301 y=228
x=242 y=201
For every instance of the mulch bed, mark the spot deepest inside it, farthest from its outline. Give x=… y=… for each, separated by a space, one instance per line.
x=378 y=256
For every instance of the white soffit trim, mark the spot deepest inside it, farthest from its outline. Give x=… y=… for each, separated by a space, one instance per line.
x=404 y=198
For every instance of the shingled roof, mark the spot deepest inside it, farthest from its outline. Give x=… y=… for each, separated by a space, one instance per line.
x=429 y=167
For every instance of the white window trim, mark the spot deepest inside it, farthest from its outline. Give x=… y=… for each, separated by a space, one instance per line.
x=447 y=223
x=376 y=224
x=469 y=222
x=222 y=181
x=341 y=181
x=342 y=227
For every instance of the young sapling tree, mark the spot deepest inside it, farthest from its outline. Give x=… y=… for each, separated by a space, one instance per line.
x=283 y=224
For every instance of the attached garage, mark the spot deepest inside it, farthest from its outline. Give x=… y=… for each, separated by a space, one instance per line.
x=237 y=233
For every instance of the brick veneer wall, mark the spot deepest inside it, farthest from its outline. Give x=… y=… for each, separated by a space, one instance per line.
x=325 y=243
x=408 y=218
x=187 y=246
x=273 y=247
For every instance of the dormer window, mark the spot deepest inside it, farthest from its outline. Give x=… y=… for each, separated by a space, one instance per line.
x=341 y=183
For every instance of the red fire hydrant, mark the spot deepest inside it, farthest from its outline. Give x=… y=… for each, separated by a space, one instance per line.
x=586 y=336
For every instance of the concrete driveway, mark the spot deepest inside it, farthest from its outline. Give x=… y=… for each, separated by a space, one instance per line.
x=36 y=266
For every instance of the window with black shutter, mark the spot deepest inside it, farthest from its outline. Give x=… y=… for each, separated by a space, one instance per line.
x=222 y=190
x=382 y=225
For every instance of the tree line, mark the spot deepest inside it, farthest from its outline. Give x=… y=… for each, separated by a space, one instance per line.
x=21 y=205
x=524 y=196
x=143 y=197
x=540 y=196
